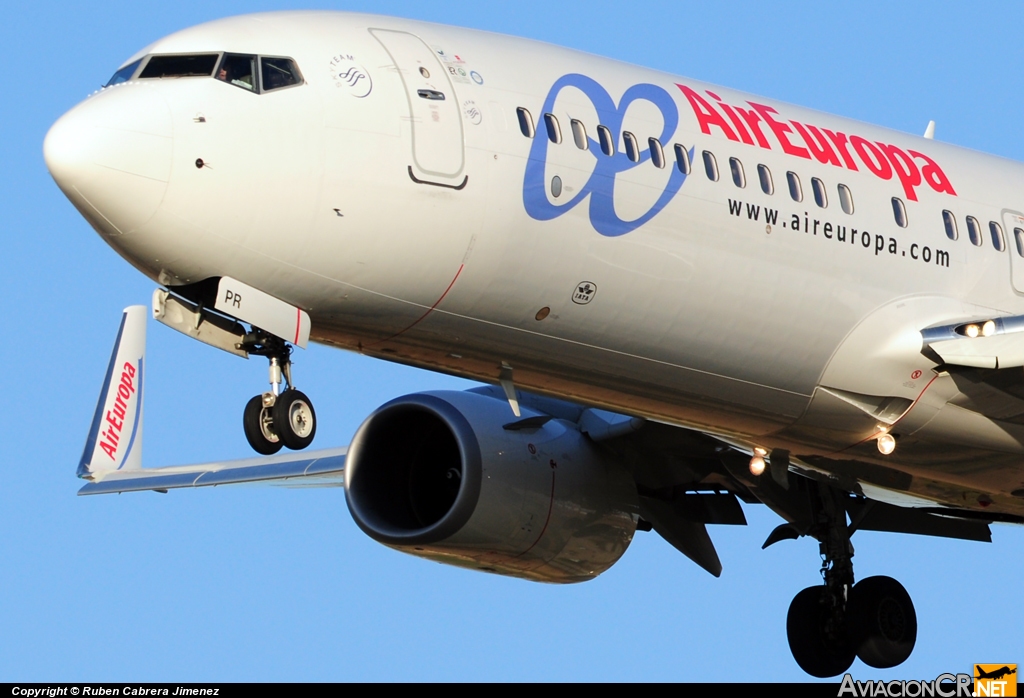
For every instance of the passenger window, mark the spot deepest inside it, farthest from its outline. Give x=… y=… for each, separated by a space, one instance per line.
x=525 y=122
x=124 y=74
x=682 y=159
x=1018 y=236
x=846 y=199
x=765 y=175
x=949 y=220
x=237 y=70
x=579 y=134
x=795 y=191
x=657 y=154
x=607 y=144
x=820 y=197
x=974 y=230
x=710 y=166
x=632 y=147
x=738 y=176
x=996 y=231
x=899 y=212
x=182 y=66
x=554 y=130
x=276 y=73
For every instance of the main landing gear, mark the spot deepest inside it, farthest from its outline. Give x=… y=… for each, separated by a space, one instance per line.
x=277 y=418
x=829 y=625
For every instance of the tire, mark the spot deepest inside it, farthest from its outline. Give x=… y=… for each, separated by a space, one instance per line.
x=294 y=419
x=882 y=622
x=259 y=431
x=816 y=654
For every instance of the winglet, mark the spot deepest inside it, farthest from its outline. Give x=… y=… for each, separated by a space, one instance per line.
x=929 y=132
x=115 y=437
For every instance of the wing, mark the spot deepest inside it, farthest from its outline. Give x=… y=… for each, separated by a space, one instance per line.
x=686 y=480
x=112 y=459
x=324 y=468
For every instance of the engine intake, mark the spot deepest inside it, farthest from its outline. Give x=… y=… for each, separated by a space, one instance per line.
x=409 y=465
x=436 y=475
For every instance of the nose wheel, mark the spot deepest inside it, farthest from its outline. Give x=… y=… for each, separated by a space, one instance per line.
x=258 y=423
x=294 y=419
x=277 y=418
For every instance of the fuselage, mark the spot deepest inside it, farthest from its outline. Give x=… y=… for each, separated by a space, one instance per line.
x=442 y=197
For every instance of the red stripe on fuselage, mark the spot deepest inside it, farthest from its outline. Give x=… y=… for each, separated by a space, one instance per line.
x=424 y=315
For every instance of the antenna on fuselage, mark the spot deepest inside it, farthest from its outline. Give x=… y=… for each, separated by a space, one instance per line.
x=929 y=131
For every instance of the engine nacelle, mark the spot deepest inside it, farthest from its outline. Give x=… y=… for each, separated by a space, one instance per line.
x=437 y=475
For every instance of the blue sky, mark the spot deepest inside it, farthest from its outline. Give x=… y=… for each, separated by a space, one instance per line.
x=256 y=583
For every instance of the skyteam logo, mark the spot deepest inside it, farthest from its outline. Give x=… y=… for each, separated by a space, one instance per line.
x=351 y=76
x=601 y=185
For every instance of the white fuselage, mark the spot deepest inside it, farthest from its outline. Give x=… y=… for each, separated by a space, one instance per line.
x=428 y=231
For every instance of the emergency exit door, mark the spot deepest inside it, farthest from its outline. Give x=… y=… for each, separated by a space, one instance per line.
x=437 y=139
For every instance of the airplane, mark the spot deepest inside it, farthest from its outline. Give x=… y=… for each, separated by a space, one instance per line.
x=995 y=674
x=678 y=297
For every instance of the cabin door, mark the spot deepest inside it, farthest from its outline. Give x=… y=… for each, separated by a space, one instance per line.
x=436 y=120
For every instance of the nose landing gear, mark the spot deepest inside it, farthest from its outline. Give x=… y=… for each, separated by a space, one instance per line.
x=277 y=418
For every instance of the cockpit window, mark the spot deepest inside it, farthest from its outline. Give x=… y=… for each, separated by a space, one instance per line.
x=278 y=73
x=239 y=70
x=194 y=65
x=253 y=73
x=124 y=74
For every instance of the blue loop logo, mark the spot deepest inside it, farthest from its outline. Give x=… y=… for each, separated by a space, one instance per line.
x=601 y=185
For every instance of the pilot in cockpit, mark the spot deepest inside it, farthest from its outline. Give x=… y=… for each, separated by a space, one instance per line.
x=238 y=70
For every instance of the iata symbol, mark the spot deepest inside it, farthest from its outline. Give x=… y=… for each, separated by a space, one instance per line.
x=584 y=293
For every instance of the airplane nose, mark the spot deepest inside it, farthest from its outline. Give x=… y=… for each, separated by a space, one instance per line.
x=111 y=156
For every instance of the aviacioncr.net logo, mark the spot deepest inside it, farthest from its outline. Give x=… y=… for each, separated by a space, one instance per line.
x=988 y=680
x=995 y=680
x=601 y=185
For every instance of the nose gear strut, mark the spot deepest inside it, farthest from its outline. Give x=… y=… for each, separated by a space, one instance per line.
x=277 y=418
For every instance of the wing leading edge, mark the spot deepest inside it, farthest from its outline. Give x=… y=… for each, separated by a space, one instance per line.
x=324 y=468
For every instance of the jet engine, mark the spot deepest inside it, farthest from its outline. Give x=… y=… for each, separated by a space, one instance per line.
x=455 y=477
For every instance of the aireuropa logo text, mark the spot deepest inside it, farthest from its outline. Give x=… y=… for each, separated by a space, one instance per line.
x=911 y=167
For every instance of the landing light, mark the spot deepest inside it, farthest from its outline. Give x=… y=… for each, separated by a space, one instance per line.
x=988 y=329
x=971 y=331
x=756 y=465
x=886 y=444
